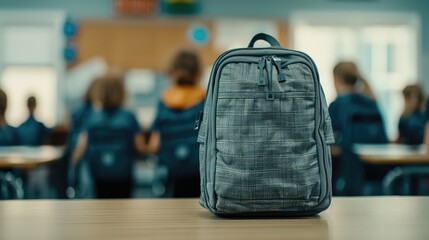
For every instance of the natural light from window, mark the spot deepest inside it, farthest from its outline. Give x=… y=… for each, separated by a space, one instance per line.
x=386 y=55
x=20 y=82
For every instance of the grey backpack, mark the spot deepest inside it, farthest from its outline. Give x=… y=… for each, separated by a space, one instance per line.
x=264 y=134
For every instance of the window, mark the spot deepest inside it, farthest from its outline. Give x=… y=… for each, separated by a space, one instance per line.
x=31 y=63
x=386 y=55
x=20 y=82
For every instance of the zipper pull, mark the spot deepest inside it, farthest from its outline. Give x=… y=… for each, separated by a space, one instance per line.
x=270 y=94
x=261 y=66
x=198 y=120
x=278 y=63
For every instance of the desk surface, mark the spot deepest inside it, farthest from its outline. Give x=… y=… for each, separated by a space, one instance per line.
x=27 y=157
x=348 y=218
x=391 y=153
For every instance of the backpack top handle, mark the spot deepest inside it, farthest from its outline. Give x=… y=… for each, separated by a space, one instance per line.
x=266 y=37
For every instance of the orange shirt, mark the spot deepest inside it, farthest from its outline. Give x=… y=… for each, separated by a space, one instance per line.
x=183 y=97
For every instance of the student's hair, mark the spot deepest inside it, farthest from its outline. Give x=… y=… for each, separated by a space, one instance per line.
x=112 y=91
x=3 y=103
x=416 y=90
x=185 y=68
x=31 y=103
x=348 y=72
x=92 y=92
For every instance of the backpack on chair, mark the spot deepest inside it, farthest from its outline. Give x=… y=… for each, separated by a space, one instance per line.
x=264 y=134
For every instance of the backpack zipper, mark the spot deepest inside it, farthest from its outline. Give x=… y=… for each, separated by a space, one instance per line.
x=198 y=120
x=270 y=95
x=261 y=67
x=278 y=63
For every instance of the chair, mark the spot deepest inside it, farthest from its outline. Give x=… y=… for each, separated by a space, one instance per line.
x=10 y=187
x=405 y=173
x=355 y=178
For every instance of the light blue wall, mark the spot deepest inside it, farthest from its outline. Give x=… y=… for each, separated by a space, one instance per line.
x=424 y=76
x=76 y=8
x=230 y=8
x=279 y=9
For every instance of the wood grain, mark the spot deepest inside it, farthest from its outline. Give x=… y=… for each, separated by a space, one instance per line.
x=348 y=218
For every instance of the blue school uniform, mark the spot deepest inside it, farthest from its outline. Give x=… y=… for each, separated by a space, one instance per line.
x=427 y=111
x=78 y=177
x=117 y=118
x=356 y=119
x=360 y=129
x=107 y=146
x=78 y=119
x=32 y=132
x=8 y=136
x=179 y=148
x=411 y=128
x=176 y=129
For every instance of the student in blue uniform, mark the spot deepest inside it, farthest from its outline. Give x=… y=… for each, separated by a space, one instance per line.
x=355 y=106
x=91 y=102
x=412 y=122
x=111 y=117
x=32 y=132
x=426 y=135
x=356 y=118
x=65 y=174
x=8 y=134
x=173 y=137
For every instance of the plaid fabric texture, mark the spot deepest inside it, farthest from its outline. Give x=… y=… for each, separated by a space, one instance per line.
x=266 y=153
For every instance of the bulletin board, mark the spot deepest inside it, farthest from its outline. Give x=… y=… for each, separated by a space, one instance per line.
x=148 y=43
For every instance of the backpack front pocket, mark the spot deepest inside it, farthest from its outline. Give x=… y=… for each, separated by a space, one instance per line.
x=265 y=150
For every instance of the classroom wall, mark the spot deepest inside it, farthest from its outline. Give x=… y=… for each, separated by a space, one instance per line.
x=279 y=9
x=424 y=77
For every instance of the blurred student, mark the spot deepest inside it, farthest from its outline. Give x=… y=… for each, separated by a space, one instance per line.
x=173 y=136
x=32 y=132
x=91 y=103
x=78 y=175
x=355 y=115
x=413 y=118
x=109 y=139
x=356 y=118
x=8 y=134
x=426 y=134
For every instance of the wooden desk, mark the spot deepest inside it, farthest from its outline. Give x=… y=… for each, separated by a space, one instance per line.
x=28 y=157
x=391 y=154
x=348 y=218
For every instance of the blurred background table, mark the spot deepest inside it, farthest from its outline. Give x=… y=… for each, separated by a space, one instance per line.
x=348 y=218
x=22 y=157
x=412 y=163
x=28 y=157
x=391 y=153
